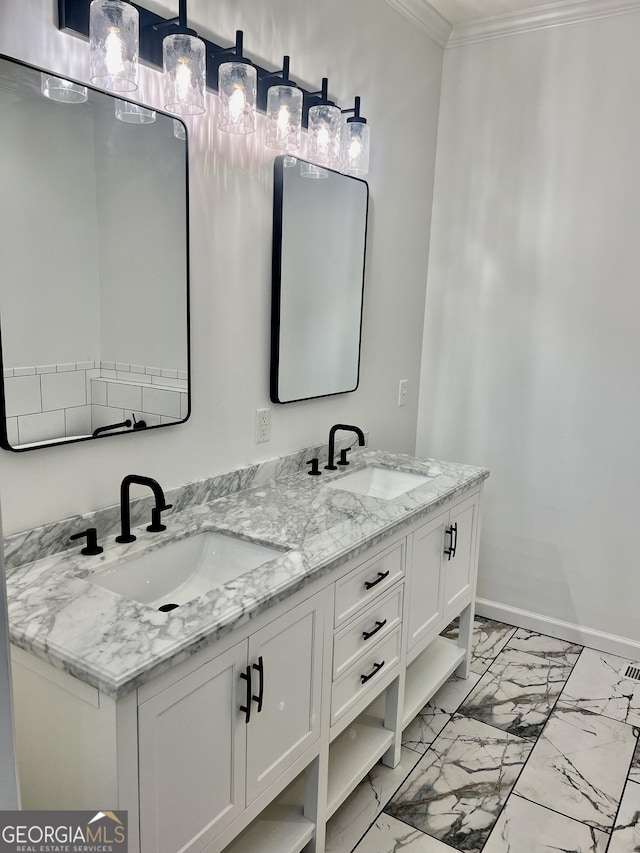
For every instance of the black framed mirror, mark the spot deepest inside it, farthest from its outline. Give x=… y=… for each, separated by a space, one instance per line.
x=319 y=245
x=94 y=269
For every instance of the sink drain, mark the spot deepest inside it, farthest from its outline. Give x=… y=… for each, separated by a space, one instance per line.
x=167 y=607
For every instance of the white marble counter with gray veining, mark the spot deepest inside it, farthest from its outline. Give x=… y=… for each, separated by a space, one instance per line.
x=116 y=644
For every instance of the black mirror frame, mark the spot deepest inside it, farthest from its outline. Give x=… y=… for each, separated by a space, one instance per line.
x=276 y=284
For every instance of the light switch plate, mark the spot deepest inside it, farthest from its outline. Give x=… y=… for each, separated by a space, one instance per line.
x=403 y=392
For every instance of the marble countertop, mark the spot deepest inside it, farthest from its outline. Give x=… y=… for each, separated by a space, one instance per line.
x=115 y=644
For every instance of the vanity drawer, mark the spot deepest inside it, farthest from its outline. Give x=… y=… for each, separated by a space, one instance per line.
x=363 y=585
x=372 y=666
x=366 y=631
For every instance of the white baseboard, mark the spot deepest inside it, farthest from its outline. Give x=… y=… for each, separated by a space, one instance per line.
x=609 y=643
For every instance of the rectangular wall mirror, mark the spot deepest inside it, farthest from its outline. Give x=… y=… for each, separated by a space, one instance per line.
x=319 y=241
x=94 y=318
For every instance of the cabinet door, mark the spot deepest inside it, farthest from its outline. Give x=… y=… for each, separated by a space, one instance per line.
x=290 y=651
x=425 y=587
x=192 y=756
x=458 y=567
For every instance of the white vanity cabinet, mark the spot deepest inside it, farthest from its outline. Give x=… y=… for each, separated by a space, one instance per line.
x=211 y=742
x=203 y=760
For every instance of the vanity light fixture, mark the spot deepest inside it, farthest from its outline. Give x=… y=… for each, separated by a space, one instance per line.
x=184 y=66
x=354 y=143
x=324 y=122
x=192 y=63
x=113 y=45
x=134 y=114
x=64 y=91
x=284 y=112
x=179 y=130
x=237 y=88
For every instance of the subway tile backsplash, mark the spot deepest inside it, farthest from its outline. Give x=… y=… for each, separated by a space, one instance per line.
x=73 y=399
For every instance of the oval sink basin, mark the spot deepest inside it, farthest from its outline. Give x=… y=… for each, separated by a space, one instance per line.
x=377 y=482
x=183 y=570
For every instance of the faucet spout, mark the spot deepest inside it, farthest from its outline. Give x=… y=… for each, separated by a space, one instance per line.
x=125 y=508
x=332 y=439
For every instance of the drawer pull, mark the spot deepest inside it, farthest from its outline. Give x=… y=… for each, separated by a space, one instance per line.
x=381 y=577
x=246 y=709
x=376 y=668
x=366 y=635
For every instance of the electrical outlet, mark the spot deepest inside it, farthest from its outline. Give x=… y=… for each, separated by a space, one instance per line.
x=263 y=425
x=403 y=392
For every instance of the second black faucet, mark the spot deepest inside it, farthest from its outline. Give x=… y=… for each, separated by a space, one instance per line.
x=125 y=509
x=332 y=438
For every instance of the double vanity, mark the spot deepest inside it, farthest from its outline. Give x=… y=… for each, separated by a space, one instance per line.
x=231 y=679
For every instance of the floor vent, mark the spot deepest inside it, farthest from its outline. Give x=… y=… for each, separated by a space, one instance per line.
x=632 y=672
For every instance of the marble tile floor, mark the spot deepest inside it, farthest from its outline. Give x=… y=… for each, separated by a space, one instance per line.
x=538 y=750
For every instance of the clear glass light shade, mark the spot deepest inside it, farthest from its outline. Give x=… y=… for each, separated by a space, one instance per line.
x=133 y=114
x=237 y=85
x=323 y=136
x=179 y=130
x=284 y=118
x=310 y=170
x=113 y=45
x=184 y=74
x=354 y=148
x=59 y=89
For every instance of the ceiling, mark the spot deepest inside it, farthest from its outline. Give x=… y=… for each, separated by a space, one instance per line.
x=463 y=11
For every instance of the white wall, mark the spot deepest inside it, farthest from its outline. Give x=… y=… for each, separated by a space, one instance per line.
x=356 y=45
x=531 y=346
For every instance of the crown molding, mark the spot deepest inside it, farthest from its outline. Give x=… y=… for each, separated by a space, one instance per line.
x=540 y=18
x=425 y=17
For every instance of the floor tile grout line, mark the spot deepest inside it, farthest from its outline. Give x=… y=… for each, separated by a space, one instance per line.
x=624 y=788
x=561 y=814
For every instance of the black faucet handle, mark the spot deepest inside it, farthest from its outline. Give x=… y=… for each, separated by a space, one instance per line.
x=156 y=525
x=315 y=470
x=91 y=548
x=343 y=456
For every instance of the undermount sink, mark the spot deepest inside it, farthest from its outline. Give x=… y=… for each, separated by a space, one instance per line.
x=377 y=482
x=183 y=570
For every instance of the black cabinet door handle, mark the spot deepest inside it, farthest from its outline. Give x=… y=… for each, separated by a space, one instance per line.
x=246 y=709
x=376 y=668
x=452 y=532
x=381 y=577
x=259 y=667
x=366 y=635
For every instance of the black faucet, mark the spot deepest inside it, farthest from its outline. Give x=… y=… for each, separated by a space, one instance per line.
x=332 y=437
x=125 y=513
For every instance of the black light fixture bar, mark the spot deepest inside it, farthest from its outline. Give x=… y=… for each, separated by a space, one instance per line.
x=73 y=17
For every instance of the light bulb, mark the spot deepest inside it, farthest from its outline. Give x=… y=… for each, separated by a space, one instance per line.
x=236 y=103
x=282 y=123
x=183 y=78
x=113 y=52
